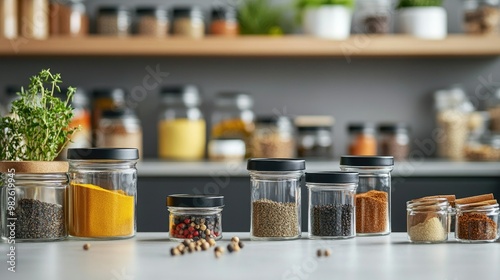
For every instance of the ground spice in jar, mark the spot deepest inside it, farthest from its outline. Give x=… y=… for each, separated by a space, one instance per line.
x=431 y=230
x=332 y=220
x=39 y=220
x=372 y=212
x=274 y=219
x=476 y=226
x=98 y=212
x=152 y=22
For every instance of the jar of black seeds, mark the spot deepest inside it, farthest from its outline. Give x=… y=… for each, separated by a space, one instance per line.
x=195 y=216
x=331 y=204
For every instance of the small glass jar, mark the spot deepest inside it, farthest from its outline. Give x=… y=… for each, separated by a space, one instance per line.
x=331 y=204
x=363 y=141
x=69 y=19
x=275 y=198
x=120 y=129
x=481 y=16
x=224 y=21
x=188 y=22
x=102 y=193
x=103 y=100
x=152 y=22
x=428 y=220
x=373 y=196
x=374 y=16
x=34 y=19
x=493 y=104
x=9 y=19
x=315 y=137
x=181 y=127
x=476 y=222
x=195 y=216
x=273 y=138
x=114 y=21
x=226 y=149
x=33 y=198
x=394 y=140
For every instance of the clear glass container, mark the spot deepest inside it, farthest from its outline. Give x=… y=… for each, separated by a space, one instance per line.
x=428 y=220
x=9 y=19
x=224 y=21
x=188 y=22
x=153 y=22
x=105 y=99
x=274 y=137
x=362 y=139
x=34 y=19
x=373 y=196
x=394 y=140
x=120 y=129
x=195 y=216
x=493 y=104
x=332 y=204
x=114 y=21
x=33 y=198
x=275 y=198
x=181 y=127
x=481 y=16
x=373 y=16
x=102 y=193
x=69 y=18
x=233 y=117
x=476 y=222
x=315 y=137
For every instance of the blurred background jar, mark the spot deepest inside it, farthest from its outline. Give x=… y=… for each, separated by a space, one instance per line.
x=273 y=138
x=226 y=149
x=362 y=139
x=481 y=16
x=394 y=140
x=493 y=104
x=105 y=99
x=114 y=21
x=181 y=127
x=68 y=18
x=224 y=21
x=9 y=19
x=315 y=136
x=188 y=22
x=233 y=117
x=34 y=19
x=152 y=21
x=373 y=16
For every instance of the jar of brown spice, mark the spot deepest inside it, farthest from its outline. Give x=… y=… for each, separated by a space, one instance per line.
x=188 y=22
x=394 y=140
x=152 y=22
x=476 y=222
x=224 y=21
x=273 y=138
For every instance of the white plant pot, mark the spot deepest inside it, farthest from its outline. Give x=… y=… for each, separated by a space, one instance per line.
x=331 y=22
x=424 y=22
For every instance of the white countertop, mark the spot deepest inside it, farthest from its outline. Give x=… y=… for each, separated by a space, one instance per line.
x=425 y=168
x=147 y=256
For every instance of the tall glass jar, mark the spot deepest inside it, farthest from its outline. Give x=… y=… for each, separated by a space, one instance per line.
x=9 y=19
x=428 y=220
x=181 y=127
x=481 y=16
x=224 y=21
x=274 y=137
x=477 y=222
x=189 y=22
x=34 y=19
x=120 y=129
x=315 y=136
x=69 y=18
x=394 y=140
x=373 y=16
x=275 y=198
x=114 y=21
x=152 y=22
x=102 y=193
x=373 y=196
x=33 y=201
x=105 y=99
x=362 y=139
x=331 y=204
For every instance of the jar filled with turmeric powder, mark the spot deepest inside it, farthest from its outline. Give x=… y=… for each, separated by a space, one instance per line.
x=102 y=192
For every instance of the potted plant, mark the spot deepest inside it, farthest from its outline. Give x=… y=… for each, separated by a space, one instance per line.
x=329 y=19
x=423 y=18
x=32 y=185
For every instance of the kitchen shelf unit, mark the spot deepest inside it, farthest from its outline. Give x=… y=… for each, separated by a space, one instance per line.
x=256 y=46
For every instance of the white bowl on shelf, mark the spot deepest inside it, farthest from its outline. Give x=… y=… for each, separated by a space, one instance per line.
x=328 y=21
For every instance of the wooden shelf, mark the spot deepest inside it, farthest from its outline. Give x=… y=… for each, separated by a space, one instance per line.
x=251 y=46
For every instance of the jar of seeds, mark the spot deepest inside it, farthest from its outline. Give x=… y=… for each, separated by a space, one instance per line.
x=152 y=22
x=195 y=216
x=275 y=198
x=33 y=199
x=114 y=21
x=427 y=220
x=373 y=196
x=331 y=204
x=273 y=138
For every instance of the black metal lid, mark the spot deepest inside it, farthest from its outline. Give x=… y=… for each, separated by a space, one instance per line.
x=103 y=153
x=358 y=127
x=367 y=160
x=189 y=12
x=315 y=128
x=195 y=200
x=276 y=164
x=113 y=93
x=393 y=127
x=224 y=13
x=118 y=113
x=333 y=177
x=112 y=10
x=272 y=119
x=159 y=12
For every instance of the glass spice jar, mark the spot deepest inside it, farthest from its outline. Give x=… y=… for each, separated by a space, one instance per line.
x=394 y=140
x=152 y=22
x=275 y=198
x=476 y=222
x=331 y=204
x=373 y=196
x=69 y=18
x=188 y=22
x=428 y=220
x=195 y=216
x=34 y=19
x=105 y=99
x=493 y=105
x=273 y=138
x=481 y=16
x=114 y=21
x=9 y=19
x=374 y=16
x=120 y=128
x=224 y=21
x=362 y=139
x=315 y=137
x=33 y=198
x=102 y=193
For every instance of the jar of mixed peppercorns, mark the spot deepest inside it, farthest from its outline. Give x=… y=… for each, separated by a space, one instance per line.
x=195 y=216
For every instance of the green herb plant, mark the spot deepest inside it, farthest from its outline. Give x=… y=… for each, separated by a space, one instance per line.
x=38 y=126
x=259 y=17
x=420 y=3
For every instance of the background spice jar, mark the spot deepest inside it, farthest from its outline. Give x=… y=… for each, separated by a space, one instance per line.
x=68 y=18
x=373 y=16
x=315 y=136
x=481 y=16
x=224 y=21
x=152 y=21
x=120 y=128
x=189 y=22
x=105 y=99
x=362 y=140
x=114 y=21
x=34 y=19
x=273 y=138
x=9 y=19
x=394 y=140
